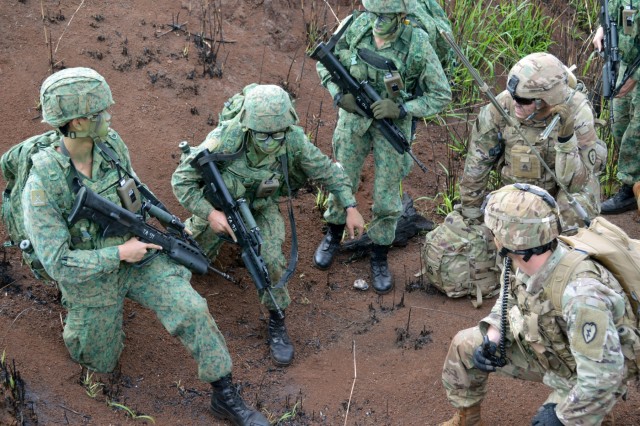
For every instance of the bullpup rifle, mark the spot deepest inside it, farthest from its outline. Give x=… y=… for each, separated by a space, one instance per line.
x=115 y=220
x=364 y=94
x=240 y=220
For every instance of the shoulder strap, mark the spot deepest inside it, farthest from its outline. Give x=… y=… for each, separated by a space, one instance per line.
x=293 y=255
x=568 y=264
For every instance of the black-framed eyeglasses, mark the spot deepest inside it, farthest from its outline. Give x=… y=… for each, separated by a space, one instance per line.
x=264 y=136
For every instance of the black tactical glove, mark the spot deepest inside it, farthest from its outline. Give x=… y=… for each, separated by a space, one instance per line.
x=346 y=101
x=385 y=108
x=567 y=121
x=546 y=416
x=484 y=356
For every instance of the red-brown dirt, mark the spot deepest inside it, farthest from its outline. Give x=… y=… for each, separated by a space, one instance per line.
x=352 y=350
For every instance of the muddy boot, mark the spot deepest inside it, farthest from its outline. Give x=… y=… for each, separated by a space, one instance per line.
x=469 y=416
x=227 y=404
x=328 y=247
x=621 y=202
x=636 y=193
x=279 y=342
x=381 y=278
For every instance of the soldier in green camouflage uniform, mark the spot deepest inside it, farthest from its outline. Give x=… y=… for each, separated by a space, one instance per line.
x=95 y=273
x=258 y=138
x=584 y=351
x=626 y=105
x=379 y=42
x=538 y=88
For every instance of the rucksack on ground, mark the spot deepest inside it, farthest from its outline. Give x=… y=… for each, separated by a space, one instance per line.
x=608 y=245
x=16 y=165
x=460 y=259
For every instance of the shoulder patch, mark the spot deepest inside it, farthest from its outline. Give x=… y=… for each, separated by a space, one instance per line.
x=589 y=332
x=38 y=198
x=592 y=156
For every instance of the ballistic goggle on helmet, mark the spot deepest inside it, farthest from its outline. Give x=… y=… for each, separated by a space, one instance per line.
x=538 y=76
x=522 y=217
x=73 y=93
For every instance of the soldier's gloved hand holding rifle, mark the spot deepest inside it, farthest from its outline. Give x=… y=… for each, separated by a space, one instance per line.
x=567 y=121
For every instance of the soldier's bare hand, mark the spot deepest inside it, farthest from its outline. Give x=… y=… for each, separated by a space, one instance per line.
x=134 y=250
x=218 y=222
x=627 y=87
x=597 y=39
x=354 y=222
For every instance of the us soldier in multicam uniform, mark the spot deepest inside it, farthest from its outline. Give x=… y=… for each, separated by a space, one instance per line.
x=260 y=135
x=537 y=89
x=584 y=351
x=626 y=107
x=379 y=42
x=95 y=274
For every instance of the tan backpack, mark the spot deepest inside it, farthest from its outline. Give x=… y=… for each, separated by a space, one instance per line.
x=608 y=245
x=460 y=259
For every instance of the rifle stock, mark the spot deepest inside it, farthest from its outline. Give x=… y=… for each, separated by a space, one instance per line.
x=240 y=220
x=117 y=221
x=365 y=95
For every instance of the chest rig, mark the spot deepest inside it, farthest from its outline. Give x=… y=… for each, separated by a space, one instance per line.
x=520 y=163
x=366 y=63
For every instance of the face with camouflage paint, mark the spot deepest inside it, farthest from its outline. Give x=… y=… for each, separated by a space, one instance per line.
x=385 y=25
x=268 y=143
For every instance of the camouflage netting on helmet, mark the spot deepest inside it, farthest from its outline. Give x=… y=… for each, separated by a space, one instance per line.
x=460 y=259
x=386 y=6
x=522 y=219
x=73 y=93
x=267 y=108
x=540 y=76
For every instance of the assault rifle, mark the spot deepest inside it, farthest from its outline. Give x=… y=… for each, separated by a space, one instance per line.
x=240 y=220
x=117 y=221
x=610 y=52
x=364 y=94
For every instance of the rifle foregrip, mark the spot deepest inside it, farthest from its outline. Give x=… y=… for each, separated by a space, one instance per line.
x=256 y=267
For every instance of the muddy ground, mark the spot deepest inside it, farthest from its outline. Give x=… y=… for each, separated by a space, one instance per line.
x=361 y=359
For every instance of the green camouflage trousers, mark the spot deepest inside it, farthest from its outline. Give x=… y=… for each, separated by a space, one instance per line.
x=271 y=225
x=353 y=139
x=626 y=133
x=93 y=327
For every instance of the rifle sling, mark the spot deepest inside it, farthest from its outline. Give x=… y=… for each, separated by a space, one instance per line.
x=375 y=60
x=293 y=255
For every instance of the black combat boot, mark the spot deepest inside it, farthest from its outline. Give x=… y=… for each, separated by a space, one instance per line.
x=328 y=246
x=381 y=278
x=622 y=202
x=279 y=342
x=227 y=404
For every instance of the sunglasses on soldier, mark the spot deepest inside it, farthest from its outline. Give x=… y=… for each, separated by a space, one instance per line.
x=512 y=84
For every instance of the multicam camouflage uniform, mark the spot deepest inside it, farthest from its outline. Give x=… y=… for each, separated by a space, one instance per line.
x=93 y=280
x=242 y=177
x=494 y=143
x=626 y=110
x=585 y=372
x=426 y=92
x=583 y=352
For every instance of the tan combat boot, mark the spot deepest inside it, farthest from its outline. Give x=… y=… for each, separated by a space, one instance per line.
x=636 y=193
x=469 y=416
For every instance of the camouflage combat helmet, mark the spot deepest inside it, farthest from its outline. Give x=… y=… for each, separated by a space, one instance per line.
x=385 y=6
x=539 y=76
x=267 y=108
x=522 y=216
x=73 y=93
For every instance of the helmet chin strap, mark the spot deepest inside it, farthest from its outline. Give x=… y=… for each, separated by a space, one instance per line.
x=92 y=132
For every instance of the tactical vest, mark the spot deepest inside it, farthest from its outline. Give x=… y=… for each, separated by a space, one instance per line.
x=56 y=174
x=241 y=178
x=405 y=54
x=536 y=324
